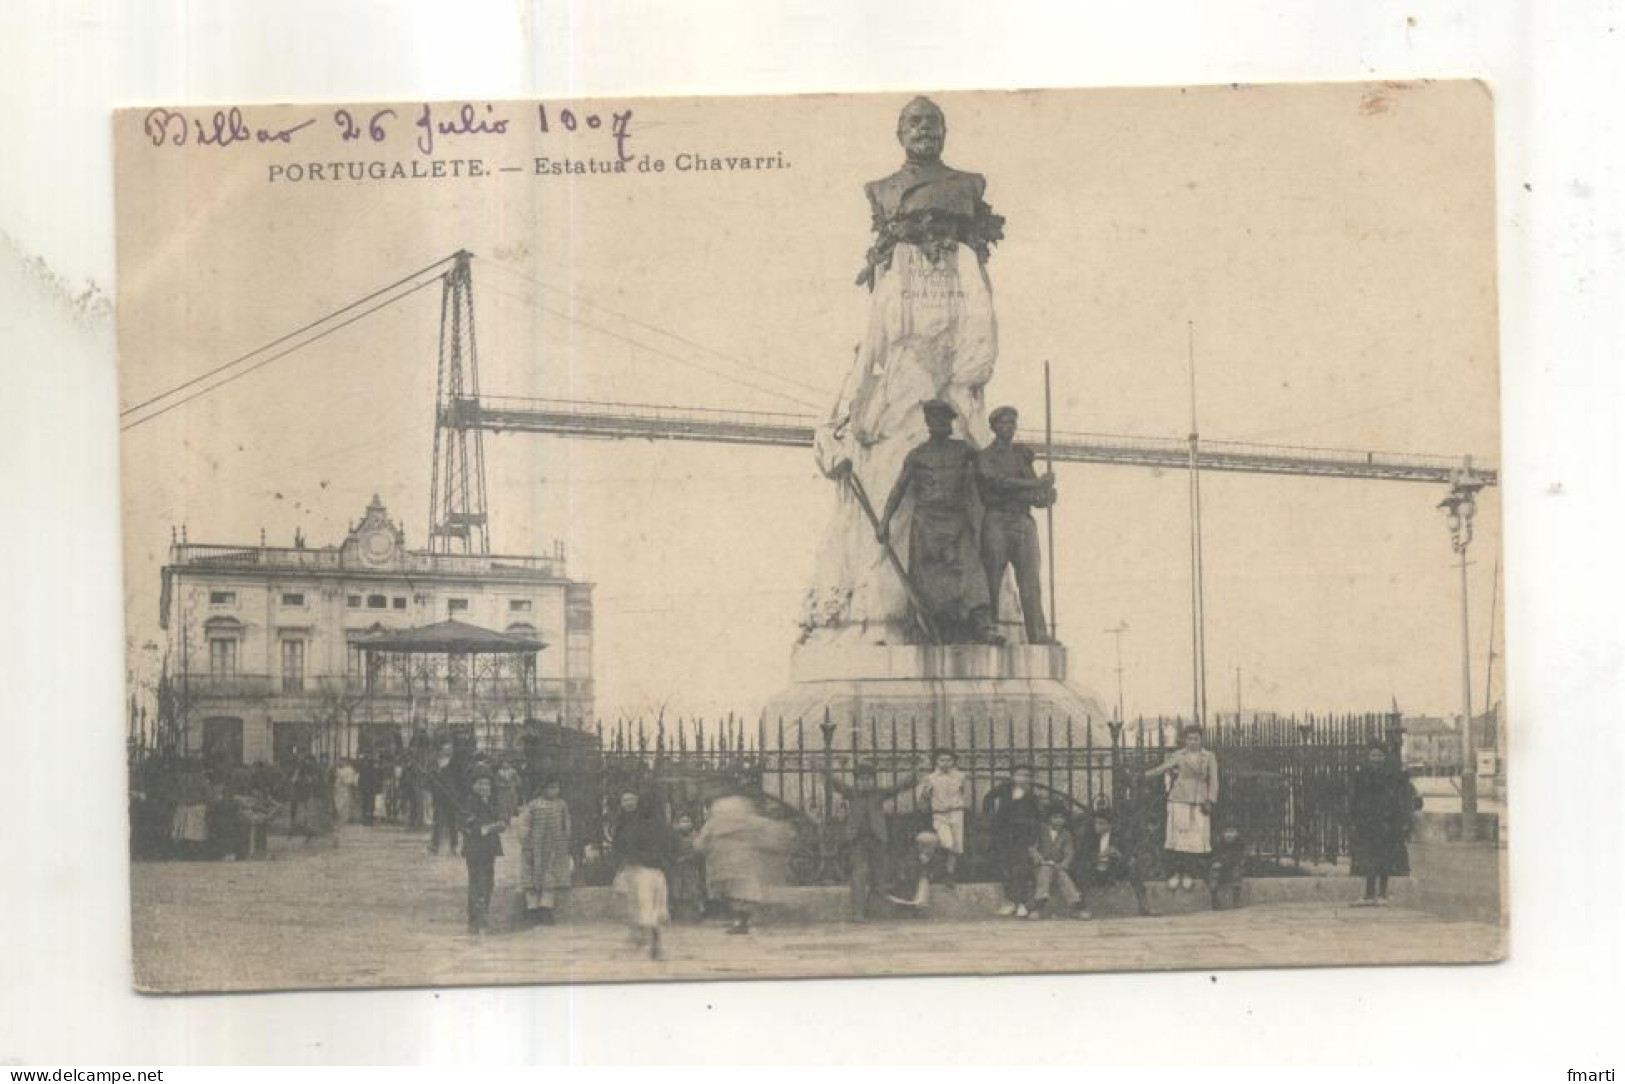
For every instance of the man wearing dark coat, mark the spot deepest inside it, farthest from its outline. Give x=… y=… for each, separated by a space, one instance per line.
x=1111 y=853
x=446 y=783
x=367 y=786
x=482 y=843
x=1015 y=813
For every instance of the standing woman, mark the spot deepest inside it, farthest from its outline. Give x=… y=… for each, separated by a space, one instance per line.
x=345 y=781
x=1191 y=798
x=1381 y=802
x=544 y=837
x=507 y=789
x=642 y=848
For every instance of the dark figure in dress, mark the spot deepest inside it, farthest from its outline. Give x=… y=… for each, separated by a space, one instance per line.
x=1382 y=804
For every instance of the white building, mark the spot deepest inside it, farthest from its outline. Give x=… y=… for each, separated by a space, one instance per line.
x=266 y=643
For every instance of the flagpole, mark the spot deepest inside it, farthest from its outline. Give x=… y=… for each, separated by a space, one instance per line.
x=1049 y=509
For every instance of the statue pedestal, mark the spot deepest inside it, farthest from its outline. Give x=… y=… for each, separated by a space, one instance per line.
x=961 y=695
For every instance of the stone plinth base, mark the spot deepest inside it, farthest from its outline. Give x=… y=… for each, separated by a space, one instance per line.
x=955 y=694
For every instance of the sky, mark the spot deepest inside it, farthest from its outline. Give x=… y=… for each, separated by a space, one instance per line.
x=1332 y=245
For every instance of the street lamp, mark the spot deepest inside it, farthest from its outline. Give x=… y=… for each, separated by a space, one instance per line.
x=1459 y=508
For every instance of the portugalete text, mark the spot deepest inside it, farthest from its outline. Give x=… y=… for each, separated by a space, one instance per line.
x=432 y=169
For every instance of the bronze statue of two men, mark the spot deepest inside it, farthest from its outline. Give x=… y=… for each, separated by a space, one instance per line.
x=947 y=479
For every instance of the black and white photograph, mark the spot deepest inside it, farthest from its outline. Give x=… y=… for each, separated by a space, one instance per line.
x=834 y=536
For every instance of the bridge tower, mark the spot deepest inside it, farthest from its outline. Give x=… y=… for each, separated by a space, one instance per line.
x=459 y=516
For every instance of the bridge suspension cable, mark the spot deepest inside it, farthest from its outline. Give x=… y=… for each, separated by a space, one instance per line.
x=731 y=359
x=274 y=343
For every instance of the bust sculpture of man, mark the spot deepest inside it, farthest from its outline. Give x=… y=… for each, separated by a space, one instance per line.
x=927 y=203
x=931 y=335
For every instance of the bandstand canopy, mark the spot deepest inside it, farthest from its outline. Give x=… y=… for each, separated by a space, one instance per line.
x=450 y=638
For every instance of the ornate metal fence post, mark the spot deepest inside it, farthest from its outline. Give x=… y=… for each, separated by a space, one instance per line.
x=828 y=729
x=1116 y=786
x=1304 y=825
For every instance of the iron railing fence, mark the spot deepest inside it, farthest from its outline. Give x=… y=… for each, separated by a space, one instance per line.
x=1283 y=779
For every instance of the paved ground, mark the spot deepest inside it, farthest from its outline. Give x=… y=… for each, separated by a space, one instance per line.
x=379 y=911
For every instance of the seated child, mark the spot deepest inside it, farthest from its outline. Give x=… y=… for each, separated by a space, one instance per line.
x=1052 y=854
x=1227 y=867
x=1106 y=858
x=920 y=868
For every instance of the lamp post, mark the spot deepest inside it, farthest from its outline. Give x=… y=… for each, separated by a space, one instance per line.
x=1459 y=507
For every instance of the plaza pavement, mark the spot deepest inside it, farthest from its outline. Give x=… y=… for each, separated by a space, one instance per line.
x=377 y=910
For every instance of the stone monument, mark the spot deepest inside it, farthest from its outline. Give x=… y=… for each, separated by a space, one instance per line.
x=912 y=629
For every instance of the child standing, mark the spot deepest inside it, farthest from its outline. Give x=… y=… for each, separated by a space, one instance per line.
x=1226 y=868
x=866 y=830
x=1051 y=854
x=482 y=843
x=945 y=793
x=640 y=884
x=544 y=840
x=687 y=882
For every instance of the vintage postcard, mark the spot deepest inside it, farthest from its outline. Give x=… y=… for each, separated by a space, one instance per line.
x=821 y=536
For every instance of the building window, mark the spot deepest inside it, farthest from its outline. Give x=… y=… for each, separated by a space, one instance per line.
x=457 y=605
x=293 y=666
x=292 y=598
x=222 y=598
x=400 y=602
x=222 y=658
x=377 y=602
x=519 y=606
x=353 y=601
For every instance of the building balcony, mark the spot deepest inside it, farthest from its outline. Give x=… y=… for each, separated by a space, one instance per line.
x=233 y=685
x=331 y=559
x=239 y=686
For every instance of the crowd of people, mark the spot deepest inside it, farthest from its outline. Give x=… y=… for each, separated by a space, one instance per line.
x=185 y=807
x=717 y=856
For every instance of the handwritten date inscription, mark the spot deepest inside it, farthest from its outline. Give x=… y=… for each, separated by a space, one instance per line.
x=226 y=127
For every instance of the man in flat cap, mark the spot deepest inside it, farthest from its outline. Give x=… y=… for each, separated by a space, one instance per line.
x=1010 y=489
x=940 y=476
